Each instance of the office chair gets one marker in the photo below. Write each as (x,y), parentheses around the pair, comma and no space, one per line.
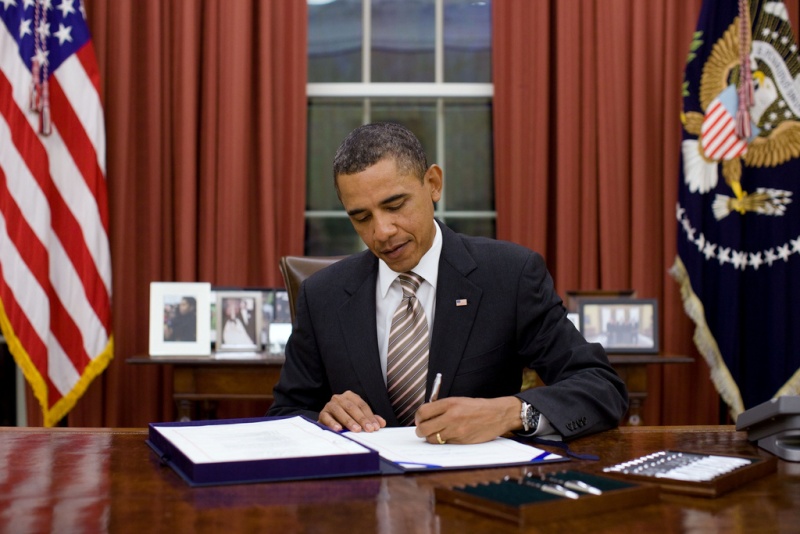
(295,269)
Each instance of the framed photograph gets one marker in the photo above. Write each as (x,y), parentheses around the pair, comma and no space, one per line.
(239,318)
(277,321)
(174,311)
(623,325)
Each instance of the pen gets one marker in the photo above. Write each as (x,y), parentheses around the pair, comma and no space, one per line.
(553,489)
(437,383)
(577,485)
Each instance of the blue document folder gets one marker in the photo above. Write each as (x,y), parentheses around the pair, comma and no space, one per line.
(236,451)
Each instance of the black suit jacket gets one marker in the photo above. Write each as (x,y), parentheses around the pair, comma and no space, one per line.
(513,318)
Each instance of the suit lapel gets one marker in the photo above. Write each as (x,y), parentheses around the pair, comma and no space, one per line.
(457,300)
(357,319)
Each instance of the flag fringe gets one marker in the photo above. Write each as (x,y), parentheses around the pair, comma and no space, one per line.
(705,342)
(90,372)
(38,384)
(791,387)
(20,355)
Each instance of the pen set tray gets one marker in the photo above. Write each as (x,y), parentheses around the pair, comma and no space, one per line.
(693,473)
(532,498)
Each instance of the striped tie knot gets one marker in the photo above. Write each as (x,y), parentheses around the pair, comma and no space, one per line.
(409,283)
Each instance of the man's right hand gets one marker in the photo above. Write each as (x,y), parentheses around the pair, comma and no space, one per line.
(349,411)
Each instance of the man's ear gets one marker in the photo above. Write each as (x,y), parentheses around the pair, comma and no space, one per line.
(433,177)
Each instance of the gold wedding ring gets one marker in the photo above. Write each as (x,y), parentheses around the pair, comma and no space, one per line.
(440,440)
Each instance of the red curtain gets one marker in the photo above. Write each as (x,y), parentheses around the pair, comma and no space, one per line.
(205,122)
(587,136)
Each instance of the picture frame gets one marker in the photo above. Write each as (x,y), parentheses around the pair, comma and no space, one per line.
(239,318)
(277,317)
(174,326)
(621,325)
(575,297)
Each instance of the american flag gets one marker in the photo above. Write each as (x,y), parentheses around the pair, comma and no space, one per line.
(55,260)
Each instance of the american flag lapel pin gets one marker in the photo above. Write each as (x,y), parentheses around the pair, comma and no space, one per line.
(461,302)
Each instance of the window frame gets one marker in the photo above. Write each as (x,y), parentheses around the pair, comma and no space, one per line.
(439,90)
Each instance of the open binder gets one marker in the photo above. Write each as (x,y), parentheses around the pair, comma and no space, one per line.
(268,449)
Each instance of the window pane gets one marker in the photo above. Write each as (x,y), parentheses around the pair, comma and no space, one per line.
(467,41)
(329,122)
(468,183)
(403,38)
(331,237)
(418,116)
(476,227)
(334,41)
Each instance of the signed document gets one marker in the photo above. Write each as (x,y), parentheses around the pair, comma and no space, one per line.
(294,437)
(402,447)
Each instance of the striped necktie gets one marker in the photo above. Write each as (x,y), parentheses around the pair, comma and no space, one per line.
(407,358)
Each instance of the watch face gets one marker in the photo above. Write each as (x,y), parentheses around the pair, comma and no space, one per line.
(531,418)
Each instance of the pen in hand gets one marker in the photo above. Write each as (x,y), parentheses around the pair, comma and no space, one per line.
(437,383)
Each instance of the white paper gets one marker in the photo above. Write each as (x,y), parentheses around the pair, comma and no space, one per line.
(402,446)
(293,437)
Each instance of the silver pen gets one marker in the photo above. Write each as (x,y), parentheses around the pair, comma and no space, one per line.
(437,383)
(577,485)
(553,489)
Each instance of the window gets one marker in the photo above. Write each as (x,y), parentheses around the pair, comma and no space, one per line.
(423,63)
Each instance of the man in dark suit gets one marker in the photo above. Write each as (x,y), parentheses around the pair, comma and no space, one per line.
(490,306)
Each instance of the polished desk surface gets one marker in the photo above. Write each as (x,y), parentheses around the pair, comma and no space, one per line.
(98,480)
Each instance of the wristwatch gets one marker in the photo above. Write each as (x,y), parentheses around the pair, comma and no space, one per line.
(530,418)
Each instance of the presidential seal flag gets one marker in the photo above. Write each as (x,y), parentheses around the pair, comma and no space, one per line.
(738,214)
(55,262)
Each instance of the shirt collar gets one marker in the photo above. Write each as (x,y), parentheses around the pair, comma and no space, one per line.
(427,268)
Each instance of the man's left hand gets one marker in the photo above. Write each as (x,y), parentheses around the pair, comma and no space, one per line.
(467,420)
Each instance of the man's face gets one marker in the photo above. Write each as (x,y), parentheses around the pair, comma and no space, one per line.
(392,211)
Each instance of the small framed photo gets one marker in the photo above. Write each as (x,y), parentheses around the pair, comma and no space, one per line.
(277,325)
(621,325)
(239,318)
(174,326)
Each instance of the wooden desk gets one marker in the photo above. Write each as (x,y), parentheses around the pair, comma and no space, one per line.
(99,480)
(221,376)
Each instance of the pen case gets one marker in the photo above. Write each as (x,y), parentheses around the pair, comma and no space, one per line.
(520,503)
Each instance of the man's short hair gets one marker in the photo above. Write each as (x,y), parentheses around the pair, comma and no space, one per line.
(368,144)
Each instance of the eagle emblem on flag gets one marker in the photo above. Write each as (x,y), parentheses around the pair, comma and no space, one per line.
(774,114)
